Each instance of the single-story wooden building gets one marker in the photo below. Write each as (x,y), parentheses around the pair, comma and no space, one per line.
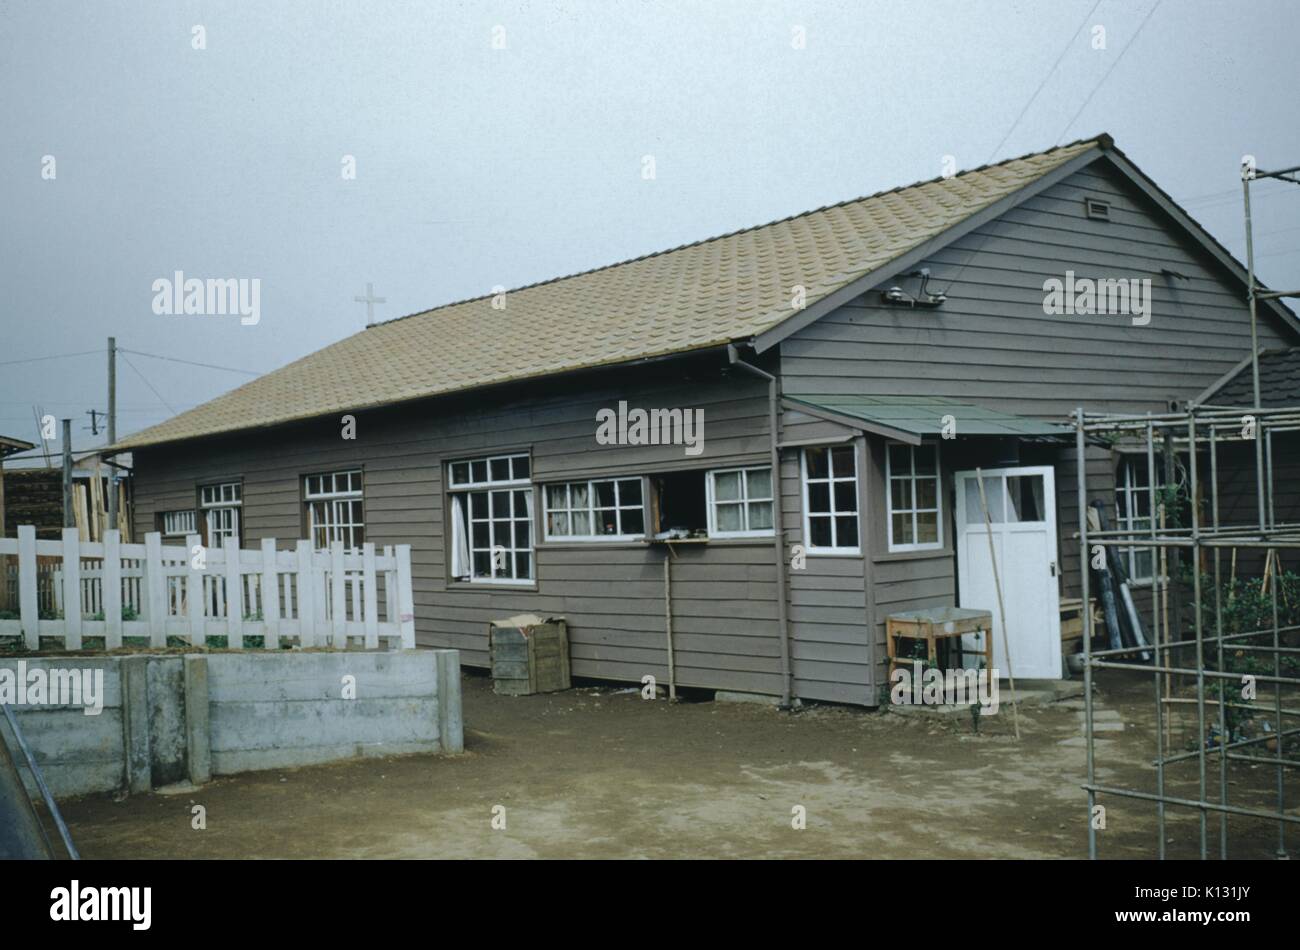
(878,349)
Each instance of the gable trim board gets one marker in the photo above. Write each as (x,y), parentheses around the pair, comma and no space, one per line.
(1226,378)
(859,286)
(1104,151)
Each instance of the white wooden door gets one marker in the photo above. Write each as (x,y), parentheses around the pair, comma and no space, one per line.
(1022,514)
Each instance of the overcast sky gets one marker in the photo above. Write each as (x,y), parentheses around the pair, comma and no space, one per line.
(478,166)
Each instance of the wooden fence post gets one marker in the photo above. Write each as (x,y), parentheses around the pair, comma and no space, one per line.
(234,594)
(155,582)
(110,587)
(338,595)
(28,604)
(270,596)
(390,586)
(306,596)
(71,589)
(405,597)
(194,591)
(370,596)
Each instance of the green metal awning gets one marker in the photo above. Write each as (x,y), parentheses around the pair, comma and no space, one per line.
(911,418)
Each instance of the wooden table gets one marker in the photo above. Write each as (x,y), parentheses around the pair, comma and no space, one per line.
(936,623)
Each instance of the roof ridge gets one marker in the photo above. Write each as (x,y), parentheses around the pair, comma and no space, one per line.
(1102,139)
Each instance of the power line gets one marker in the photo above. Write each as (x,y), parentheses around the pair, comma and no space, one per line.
(1061,56)
(147,383)
(173,359)
(39,359)
(1106,75)
(992,155)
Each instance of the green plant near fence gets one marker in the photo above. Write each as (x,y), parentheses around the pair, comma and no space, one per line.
(1243,605)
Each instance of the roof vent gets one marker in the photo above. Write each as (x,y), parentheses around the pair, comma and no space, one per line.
(1097,209)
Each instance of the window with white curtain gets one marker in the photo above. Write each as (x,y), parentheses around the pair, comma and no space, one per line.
(598,510)
(492,519)
(177,524)
(740,502)
(334,508)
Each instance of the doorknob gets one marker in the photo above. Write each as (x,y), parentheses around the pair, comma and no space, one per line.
(1053,568)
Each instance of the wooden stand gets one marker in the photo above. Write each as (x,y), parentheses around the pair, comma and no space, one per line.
(936,623)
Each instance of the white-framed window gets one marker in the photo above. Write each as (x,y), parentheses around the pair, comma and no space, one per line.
(597,510)
(492,519)
(914,521)
(740,502)
(334,508)
(177,524)
(220,504)
(830,500)
(1133,511)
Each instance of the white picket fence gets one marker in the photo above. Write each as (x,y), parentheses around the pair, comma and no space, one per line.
(318,598)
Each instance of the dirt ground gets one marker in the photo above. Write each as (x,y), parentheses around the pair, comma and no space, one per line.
(601,773)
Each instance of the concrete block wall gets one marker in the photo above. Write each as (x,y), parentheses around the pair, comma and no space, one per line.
(170,718)
(262,719)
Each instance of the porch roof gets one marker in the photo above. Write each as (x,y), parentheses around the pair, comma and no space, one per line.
(910,418)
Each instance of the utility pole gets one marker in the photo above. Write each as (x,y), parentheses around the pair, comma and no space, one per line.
(69,519)
(112,428)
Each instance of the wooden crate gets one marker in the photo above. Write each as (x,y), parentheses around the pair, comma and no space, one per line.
(1072,618)
(529,655)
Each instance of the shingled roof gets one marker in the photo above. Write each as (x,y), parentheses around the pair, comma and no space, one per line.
(721,290)
(1279,382)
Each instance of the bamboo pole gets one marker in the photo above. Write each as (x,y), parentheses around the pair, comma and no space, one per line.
(1002,613)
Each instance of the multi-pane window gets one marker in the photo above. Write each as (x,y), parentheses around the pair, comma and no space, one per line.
(1133,511)
(830,482)
(177,524)
(220,505)
(492,519)
(740,502)
(912,476)
(595,510)
(334,509)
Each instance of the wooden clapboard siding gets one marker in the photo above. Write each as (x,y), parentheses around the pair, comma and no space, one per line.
(724,594)
(991,344)
(829,652)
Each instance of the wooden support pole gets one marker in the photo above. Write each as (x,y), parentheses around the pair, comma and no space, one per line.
(1002,613)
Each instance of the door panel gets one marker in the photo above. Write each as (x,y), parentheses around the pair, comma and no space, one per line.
(1022,519)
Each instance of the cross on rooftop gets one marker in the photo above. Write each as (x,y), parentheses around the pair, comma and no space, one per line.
(370,300)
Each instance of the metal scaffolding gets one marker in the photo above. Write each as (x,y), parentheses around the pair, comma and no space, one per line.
(1200,657)
(1201,428)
